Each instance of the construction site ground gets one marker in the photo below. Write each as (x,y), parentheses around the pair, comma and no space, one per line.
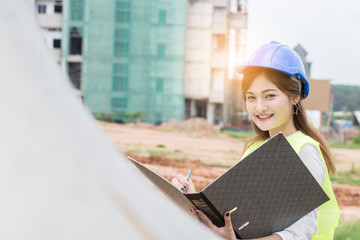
(174,148)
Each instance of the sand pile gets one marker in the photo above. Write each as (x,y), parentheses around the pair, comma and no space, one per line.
(142,125)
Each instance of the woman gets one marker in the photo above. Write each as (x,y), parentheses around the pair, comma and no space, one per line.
(273,86)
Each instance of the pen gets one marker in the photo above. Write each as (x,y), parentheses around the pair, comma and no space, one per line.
(244,225)
(189,175)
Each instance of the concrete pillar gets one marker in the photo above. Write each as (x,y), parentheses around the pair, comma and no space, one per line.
(210,111)
(192,108)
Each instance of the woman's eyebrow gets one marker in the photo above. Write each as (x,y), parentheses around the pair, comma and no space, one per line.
(264,91)
(268,90)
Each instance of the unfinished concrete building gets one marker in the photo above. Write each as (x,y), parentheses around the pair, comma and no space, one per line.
(169,60)
(49,17)
(208,43)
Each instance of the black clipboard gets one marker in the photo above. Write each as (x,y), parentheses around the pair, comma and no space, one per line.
(271,188)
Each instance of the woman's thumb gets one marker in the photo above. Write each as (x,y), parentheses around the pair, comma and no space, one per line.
(228,220)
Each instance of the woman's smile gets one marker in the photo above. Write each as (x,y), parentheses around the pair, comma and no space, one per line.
(264,117)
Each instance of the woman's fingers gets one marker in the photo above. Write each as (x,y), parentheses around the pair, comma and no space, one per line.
(194,213)
(188,184)
(177,184)
(228,228)
(183,181)
(183,184)
(203,218)
(226,232)
(227,218)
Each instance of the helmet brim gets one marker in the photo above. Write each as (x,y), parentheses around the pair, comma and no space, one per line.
(305,84)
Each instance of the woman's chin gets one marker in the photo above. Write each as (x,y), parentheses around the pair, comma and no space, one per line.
(262,128)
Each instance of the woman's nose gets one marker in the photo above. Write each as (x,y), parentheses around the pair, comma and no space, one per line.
(261,106)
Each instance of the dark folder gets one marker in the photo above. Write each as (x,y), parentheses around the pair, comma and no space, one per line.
(271,188)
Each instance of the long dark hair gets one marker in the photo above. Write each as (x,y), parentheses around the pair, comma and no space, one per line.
(291,89)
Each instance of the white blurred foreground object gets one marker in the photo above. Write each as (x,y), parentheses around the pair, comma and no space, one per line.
(60,178)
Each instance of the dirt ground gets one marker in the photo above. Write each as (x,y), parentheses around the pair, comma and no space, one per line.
(171,150)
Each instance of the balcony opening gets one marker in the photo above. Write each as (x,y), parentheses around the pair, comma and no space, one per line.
(41,8)
(57,43)
(75,42)
(218,118)
(58,8)
(74,70)
(201,108)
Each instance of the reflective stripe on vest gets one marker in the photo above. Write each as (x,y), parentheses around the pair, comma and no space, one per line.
(328,213)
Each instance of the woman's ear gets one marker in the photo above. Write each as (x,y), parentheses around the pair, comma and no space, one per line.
(295,100)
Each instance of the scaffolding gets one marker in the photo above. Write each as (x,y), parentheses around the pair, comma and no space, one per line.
(128,55)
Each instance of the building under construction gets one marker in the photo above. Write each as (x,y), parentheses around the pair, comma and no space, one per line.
(161,59)
(215,40)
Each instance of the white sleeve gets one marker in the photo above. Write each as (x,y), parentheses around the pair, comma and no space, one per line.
(305,227)
(311,157)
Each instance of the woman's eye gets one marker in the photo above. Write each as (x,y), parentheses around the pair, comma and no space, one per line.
(270,96)
(250,97)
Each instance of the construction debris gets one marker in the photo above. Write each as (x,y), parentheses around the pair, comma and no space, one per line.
(191,124)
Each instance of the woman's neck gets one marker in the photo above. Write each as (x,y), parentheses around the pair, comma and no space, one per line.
(286,132)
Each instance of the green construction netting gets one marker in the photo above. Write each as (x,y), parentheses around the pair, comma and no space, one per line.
(133,56)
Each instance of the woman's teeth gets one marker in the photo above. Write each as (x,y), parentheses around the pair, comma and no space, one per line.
(264,116)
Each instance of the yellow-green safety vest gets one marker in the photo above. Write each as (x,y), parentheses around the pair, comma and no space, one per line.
(329,212)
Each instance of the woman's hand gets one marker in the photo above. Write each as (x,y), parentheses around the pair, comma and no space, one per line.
(183,184)
(226,232)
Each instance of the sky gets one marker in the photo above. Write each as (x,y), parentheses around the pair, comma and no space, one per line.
(329,31)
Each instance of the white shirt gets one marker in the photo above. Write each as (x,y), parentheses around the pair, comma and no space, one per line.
(306,227)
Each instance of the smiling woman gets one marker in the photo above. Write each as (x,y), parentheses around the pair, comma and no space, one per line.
(273,85)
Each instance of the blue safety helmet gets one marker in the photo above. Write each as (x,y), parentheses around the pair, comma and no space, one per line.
(275,55)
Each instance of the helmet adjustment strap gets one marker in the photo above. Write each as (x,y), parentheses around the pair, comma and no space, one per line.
(297,79)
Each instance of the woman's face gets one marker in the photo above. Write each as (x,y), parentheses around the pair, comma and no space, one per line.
(270,108)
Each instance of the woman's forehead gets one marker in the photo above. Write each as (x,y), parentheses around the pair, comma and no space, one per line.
(261,83)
